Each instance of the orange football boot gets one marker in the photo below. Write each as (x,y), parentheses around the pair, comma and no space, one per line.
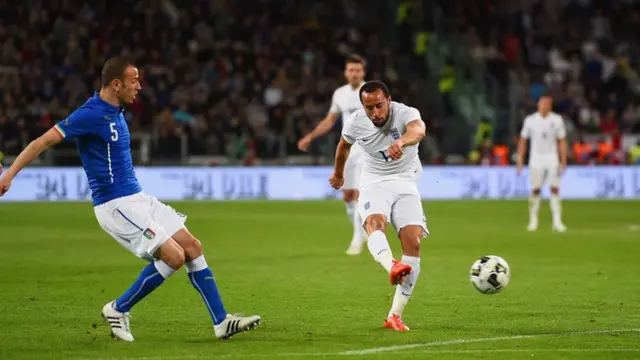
(394,322)
(398,272)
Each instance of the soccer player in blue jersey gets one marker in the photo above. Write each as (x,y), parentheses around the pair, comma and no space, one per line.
(138,221)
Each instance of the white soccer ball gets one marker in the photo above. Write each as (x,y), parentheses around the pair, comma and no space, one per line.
(490,274)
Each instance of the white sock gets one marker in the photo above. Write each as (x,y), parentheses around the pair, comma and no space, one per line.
(380,249)
(404,290)
(556,208)
(165,270)
(197,264)
(534,206)
(354,217)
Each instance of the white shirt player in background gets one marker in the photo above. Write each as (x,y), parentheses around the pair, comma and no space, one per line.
(344,102)
(388,133)
(545,129)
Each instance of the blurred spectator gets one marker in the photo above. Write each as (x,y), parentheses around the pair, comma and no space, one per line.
(238,78)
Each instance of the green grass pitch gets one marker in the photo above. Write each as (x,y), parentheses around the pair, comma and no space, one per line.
(572,296)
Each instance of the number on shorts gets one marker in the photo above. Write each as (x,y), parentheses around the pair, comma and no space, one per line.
(384,156)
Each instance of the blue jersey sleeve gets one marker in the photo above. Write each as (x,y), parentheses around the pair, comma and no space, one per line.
(78,123)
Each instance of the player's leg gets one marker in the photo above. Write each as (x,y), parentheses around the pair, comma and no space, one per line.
(554,202)
(536,178)
(131,226)
(169,257)
(374,206)
(407,216)
(201,277)
(350,195)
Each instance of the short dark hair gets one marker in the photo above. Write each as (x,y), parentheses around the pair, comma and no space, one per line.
(371,86)
(355,59)
(113,69)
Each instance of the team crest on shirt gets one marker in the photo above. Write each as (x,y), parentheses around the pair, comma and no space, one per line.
(149,234)
(395,134)
(367,205)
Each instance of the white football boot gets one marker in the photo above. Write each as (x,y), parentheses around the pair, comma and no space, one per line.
(558,227)
(119,322)
(234,324)
(356,247)
(533,224)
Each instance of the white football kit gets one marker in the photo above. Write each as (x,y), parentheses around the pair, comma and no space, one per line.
(139,222)
(346,100)
(543,134)
(387,186)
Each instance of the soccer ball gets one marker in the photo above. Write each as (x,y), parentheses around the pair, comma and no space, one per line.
(490,274)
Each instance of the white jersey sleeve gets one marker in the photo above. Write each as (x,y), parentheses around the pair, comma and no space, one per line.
(410,114)
(335,102)
(347,130)
(526,128)
(561,131)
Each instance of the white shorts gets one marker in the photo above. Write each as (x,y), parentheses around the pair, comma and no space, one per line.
(539,176)
(139,222)
(352,171)
(399,201)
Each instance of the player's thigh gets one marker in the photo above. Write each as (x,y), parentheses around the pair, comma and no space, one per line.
(352,172)
(536,177)
(131,224)
(407,211)
(161,213)
(554,177)
(375,199)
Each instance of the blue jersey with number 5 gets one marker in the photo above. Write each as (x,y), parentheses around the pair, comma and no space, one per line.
(102,138)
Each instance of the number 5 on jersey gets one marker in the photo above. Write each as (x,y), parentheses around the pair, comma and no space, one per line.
(114,131)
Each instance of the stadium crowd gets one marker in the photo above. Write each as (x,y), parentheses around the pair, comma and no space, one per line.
(585,54)
(247,78)
(244,78)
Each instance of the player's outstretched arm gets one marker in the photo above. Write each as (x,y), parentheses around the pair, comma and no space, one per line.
(342,153)
(322,128)
(416,131)
(522,151)
(32,151)
(562,148)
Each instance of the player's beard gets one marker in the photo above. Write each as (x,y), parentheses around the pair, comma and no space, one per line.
(380,124)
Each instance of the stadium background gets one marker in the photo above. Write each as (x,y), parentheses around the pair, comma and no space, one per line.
(240,87)
(229,87)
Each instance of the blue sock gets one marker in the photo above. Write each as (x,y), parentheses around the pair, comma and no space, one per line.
(203,281)
(150,278)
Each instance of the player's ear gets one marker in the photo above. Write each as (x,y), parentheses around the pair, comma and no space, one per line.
(116,84)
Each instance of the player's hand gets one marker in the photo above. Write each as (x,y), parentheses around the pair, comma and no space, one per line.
(5,184)
(519,169)
(336,181)
(395,150)
(563,168)
(304,143)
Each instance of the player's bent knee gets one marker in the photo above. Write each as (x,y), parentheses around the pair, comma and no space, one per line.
(191,246)
(411,237)
(535,192)
(555,190)
(375,222)
(171,253)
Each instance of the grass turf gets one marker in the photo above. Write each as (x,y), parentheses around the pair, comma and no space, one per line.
(285,261)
